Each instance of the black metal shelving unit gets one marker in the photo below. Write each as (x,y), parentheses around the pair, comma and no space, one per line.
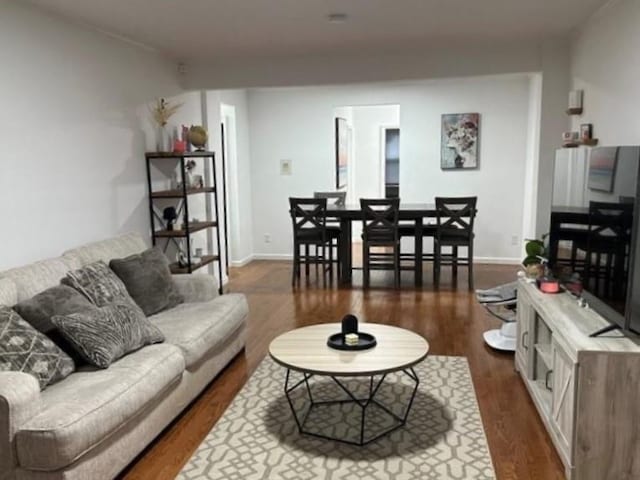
(182,195)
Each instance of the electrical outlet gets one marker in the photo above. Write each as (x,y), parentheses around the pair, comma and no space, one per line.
(267,238)
(515,240)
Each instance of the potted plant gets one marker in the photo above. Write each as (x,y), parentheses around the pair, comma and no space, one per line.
(533,263)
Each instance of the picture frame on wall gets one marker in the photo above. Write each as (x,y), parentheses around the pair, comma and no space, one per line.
(586,131)
(342,152)
(459,141)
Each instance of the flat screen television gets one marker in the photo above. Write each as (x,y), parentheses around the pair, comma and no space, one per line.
(595,215)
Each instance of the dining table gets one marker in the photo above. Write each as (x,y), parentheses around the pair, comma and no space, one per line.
(408,212)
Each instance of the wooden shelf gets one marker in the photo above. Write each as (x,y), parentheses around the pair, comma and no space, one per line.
(592,142)
(193,227)
(178,193)
(205,260)
(197,154)
(574,111)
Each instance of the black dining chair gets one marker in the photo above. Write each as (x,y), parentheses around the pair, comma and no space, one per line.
(333,227)
(308,217)
(409,230)
(607,248)
(337,198)
(380,230)
(454,229)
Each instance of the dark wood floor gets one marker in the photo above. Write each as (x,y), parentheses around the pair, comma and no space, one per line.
(450,319)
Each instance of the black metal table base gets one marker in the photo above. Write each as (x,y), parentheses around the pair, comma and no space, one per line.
(364,403)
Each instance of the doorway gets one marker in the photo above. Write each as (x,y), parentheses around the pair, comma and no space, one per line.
(229,171)
(391,161)
(372,149)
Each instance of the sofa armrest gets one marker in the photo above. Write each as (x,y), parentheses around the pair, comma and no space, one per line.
(19,401)
(196,288)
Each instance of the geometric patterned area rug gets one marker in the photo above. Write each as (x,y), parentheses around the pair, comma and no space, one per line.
(257,437)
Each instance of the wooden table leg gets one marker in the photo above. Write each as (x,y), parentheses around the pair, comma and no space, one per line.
(346,250)
(418,252)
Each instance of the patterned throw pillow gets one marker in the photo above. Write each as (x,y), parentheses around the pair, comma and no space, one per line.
(98,283)
(59,300)
(105,334)
(148,280)
(24,349)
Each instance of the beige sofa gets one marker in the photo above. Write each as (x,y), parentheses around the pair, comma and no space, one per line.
(95,422)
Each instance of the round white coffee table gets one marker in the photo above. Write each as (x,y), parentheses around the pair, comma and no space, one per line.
(305,350)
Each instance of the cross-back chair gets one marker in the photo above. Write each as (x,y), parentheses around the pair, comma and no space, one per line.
(380,230)
(309,217)
(454,229)
(607,247)
(333,226)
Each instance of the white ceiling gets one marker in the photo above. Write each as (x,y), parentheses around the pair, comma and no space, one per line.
(201,30)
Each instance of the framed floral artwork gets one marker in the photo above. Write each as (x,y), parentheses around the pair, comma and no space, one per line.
(459,143)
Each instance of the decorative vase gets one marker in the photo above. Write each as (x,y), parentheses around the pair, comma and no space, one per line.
(163,139)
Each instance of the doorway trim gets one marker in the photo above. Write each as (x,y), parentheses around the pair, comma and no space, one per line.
(383,155)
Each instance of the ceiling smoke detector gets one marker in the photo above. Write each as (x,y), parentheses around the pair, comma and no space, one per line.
(337,17)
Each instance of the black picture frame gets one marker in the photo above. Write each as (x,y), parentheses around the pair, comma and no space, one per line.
(460,141)
(586,131)
(341,152)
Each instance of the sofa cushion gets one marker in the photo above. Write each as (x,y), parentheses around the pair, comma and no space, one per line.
(198,328)
(8,292)
(106,250)
(58,300)
(80,412)
(104,334)
(36,277)
(148,280)
(24,349)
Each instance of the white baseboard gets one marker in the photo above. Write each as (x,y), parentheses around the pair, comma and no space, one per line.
(243,262)
(272,256)
(497,260)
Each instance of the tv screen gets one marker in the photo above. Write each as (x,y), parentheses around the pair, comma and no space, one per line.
(594,218)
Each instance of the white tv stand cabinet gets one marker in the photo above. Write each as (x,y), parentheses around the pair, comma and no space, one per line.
(586,390)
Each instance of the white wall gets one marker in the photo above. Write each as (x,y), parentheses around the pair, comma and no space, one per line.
(297,123)
(72,166)
(553,121)
(605,62)
(530,213)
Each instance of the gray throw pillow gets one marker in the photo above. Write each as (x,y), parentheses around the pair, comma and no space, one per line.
(98,283)
(148,280)
(105,334)
(24,349)
(58,300)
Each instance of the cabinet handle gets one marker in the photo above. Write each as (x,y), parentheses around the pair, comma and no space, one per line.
(525,336)
(546,380)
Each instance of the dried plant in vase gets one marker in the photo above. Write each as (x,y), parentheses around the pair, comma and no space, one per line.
(161,112)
